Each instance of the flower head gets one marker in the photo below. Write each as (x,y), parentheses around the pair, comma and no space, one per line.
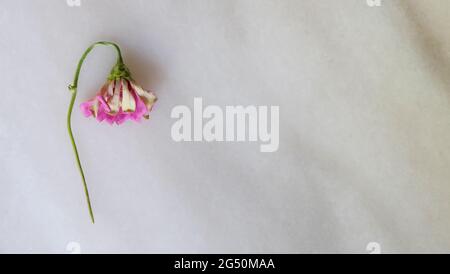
(120,99)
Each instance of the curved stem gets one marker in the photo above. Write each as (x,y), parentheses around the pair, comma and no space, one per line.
(73,89)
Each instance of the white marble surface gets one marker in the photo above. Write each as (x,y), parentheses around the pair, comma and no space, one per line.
(364,156)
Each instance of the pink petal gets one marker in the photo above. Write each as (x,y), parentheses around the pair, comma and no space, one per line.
(141,109)
(86,108)
(102,112)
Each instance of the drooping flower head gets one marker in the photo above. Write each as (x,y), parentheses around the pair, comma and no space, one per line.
(120,99)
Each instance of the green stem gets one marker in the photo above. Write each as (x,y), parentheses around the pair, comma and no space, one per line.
(73,89)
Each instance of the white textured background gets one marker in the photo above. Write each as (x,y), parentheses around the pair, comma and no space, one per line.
(364,96)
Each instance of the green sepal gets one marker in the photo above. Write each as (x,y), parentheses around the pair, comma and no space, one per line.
(119,71)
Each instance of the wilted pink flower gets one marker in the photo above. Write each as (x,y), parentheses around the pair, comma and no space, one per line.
(118,101)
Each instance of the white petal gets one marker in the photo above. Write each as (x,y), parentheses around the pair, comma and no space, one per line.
(110,90)
(128,102)
(94,107)
(148,97)
(114,102)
